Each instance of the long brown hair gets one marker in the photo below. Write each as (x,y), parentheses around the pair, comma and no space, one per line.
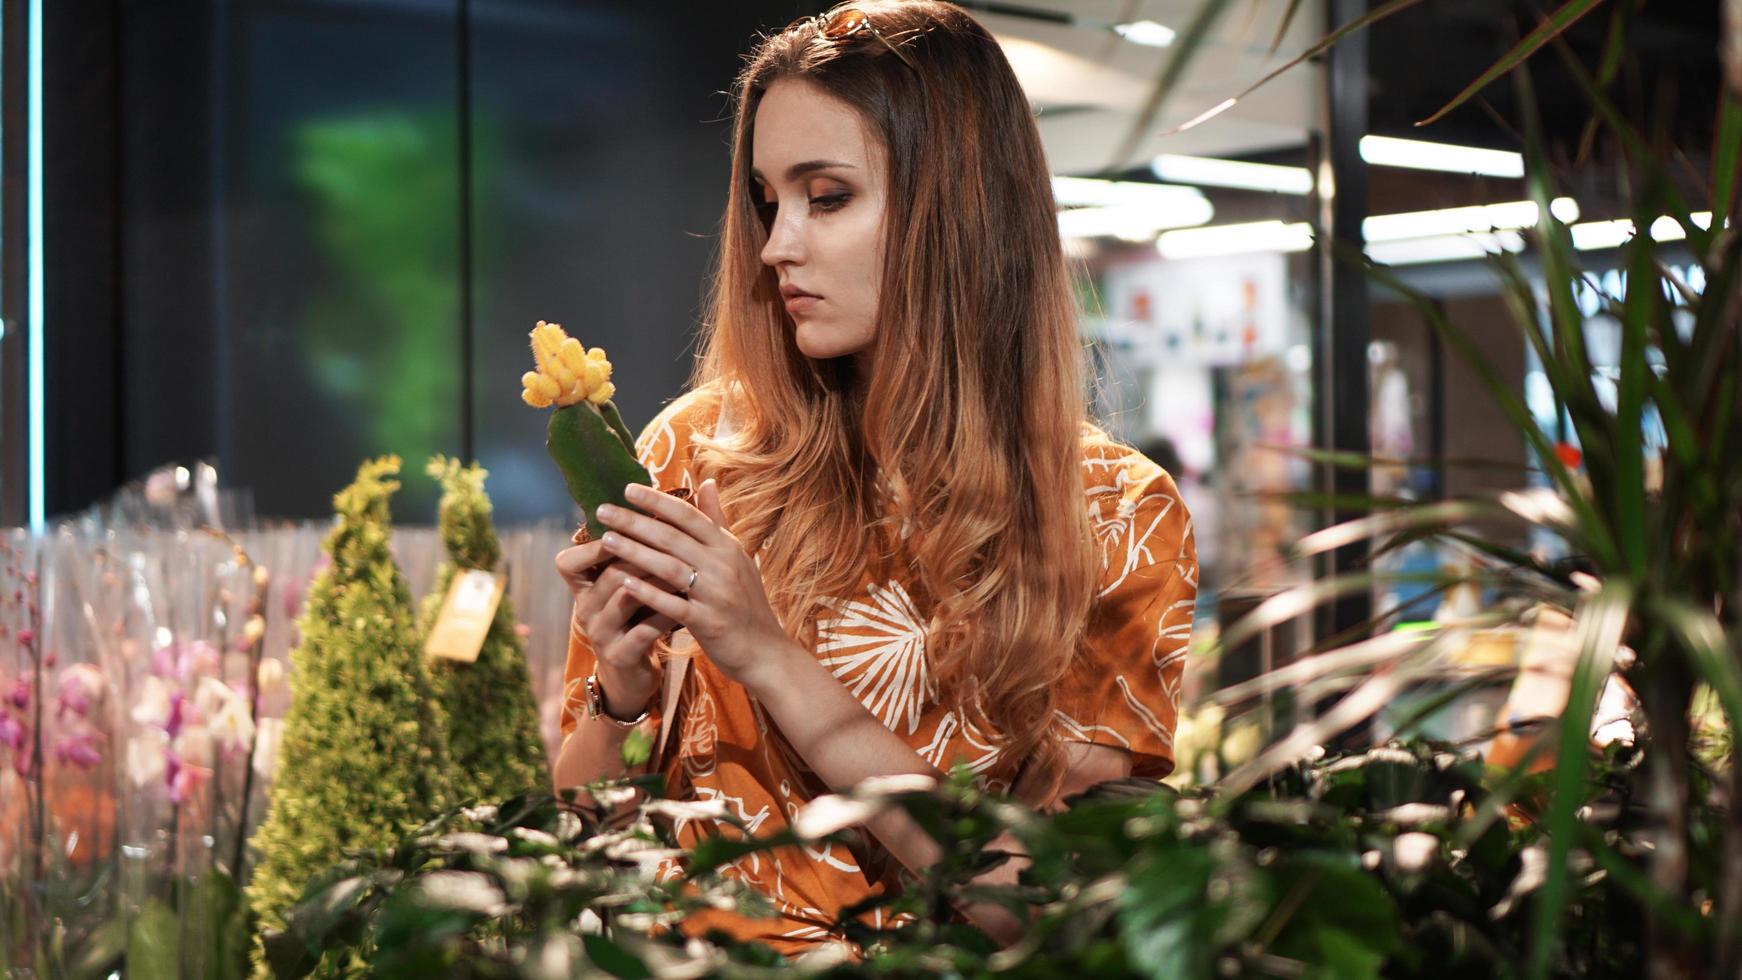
(968,428)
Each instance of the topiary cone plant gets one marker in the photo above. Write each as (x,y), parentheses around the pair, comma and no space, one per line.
(364,756)
(492,717)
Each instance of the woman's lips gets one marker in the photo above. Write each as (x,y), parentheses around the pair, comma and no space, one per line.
(800,302)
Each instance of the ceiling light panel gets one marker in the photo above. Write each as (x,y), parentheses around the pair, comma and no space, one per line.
(1389,151)
(1212,172)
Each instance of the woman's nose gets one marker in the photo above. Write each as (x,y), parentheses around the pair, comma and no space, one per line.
(783,242)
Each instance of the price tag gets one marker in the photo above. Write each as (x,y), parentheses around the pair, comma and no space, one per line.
(466,615)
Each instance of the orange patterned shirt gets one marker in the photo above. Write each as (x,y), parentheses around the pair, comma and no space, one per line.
(1123,692)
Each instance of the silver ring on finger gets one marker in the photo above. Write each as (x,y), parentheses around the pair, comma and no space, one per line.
(694,573)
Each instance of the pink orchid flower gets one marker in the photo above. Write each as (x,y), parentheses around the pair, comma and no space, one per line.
(79,751)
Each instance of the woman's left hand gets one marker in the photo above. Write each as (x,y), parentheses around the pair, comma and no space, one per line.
(726,609)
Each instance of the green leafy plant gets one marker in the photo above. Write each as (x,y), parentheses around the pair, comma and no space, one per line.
(537,885)
(1650,517)
(363,755)
(1397,862)
(490,713)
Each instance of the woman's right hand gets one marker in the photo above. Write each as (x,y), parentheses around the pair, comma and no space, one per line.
(602,612)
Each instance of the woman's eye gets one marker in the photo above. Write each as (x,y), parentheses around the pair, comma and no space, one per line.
(766,210)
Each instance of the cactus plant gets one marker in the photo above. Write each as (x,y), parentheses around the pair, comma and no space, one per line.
(586,436)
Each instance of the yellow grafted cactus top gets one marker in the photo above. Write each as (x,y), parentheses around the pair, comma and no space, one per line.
(567,372)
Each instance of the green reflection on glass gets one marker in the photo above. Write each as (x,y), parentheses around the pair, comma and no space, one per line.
(381,334)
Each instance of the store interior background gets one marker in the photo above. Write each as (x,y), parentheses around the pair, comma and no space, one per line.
(284,235)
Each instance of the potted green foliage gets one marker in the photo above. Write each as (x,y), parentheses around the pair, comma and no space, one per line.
(491,715)
(363,756)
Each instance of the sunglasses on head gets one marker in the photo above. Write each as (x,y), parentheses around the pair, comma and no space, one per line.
(850,22)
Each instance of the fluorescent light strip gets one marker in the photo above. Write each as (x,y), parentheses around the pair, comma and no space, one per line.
(1445,248)
(1601,234)
(1211,172)
(1132,210)
(1259,236)
(1395,239)
(1667,229)
(1090,192)
(1148,33)
(1133,224)
(34,295)
(1611,234)
(1388,151)
(1509,216)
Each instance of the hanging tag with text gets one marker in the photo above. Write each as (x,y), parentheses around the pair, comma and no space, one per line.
(466,615)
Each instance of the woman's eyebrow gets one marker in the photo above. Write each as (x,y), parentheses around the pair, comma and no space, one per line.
(798,170)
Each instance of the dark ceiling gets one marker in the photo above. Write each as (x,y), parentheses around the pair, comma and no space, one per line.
(1420,59)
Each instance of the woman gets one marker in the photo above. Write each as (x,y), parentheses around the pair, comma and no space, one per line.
(908,548)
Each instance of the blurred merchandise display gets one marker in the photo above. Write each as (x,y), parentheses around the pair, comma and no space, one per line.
(144,678)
